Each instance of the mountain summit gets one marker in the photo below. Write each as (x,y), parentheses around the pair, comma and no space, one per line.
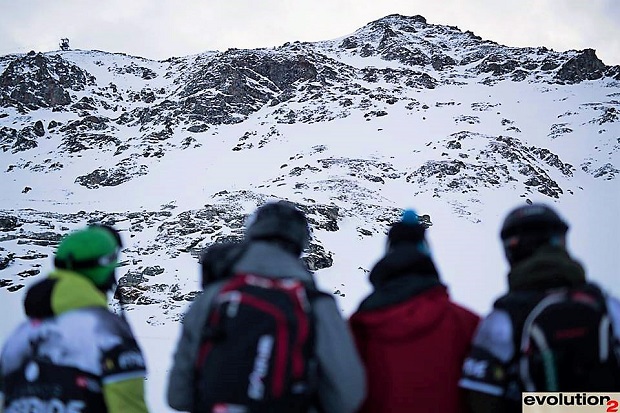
(176,153)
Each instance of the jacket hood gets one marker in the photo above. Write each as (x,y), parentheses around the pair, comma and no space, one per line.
(549,267)
(62,291)
(404,259)
(271,260)
(397,290)
(408,319)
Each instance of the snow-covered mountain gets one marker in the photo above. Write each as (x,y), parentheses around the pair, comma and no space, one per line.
(401,113)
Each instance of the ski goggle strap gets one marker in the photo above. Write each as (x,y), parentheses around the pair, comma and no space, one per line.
(111,230)
(71,264)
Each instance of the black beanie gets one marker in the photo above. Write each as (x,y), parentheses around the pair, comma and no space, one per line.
(279,221)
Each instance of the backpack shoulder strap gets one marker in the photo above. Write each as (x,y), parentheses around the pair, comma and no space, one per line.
(531,330)
(607,331)
(590,298)
(518,306)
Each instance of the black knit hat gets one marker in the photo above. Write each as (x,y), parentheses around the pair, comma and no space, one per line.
(409,229)
(529,227)
(279,221)
(532,218)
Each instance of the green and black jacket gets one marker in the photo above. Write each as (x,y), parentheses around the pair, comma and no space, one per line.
(72,354)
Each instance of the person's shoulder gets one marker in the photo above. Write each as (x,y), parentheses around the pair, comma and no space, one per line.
(495,330)
(202,302)
(613,306)
(98,313)
(101,319)
(464,312)
(613,300)
(323,304)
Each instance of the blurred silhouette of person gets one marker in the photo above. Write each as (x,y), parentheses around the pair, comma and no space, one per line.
(547,332)
(276,234)
(411,336)
(72,354)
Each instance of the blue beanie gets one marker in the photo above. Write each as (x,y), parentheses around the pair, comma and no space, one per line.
(408,230)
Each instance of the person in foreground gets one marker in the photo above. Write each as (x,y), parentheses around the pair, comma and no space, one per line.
(216,344)
(553,330)
(73,354)
(217,260)
(411,336)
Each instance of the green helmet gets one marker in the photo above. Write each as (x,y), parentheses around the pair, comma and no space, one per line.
(91,252)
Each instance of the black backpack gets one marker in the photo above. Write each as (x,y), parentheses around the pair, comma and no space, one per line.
(257,352)
(564,340)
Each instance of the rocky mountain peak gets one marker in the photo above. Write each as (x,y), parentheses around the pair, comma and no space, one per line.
(39,80)
(397,21)
(584,66)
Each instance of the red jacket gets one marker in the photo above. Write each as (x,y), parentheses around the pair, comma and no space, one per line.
(413,352)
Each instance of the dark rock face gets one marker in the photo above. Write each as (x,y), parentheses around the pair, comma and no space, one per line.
(585,66)
(88,133)
(39,81)
(498,65)
(244,81)
(317,258)
(7,138)
(22,140)
(606,171)
(124,171)
(9,223)
(5,261)
(440,61)
(87,123)
(186,232)
(503,161)
(38,129)
(136,70)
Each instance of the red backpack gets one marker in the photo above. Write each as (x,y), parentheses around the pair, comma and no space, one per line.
(257,348)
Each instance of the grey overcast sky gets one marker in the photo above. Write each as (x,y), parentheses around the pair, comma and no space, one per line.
(159,29)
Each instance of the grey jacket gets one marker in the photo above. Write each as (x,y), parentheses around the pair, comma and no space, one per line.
(342,384)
